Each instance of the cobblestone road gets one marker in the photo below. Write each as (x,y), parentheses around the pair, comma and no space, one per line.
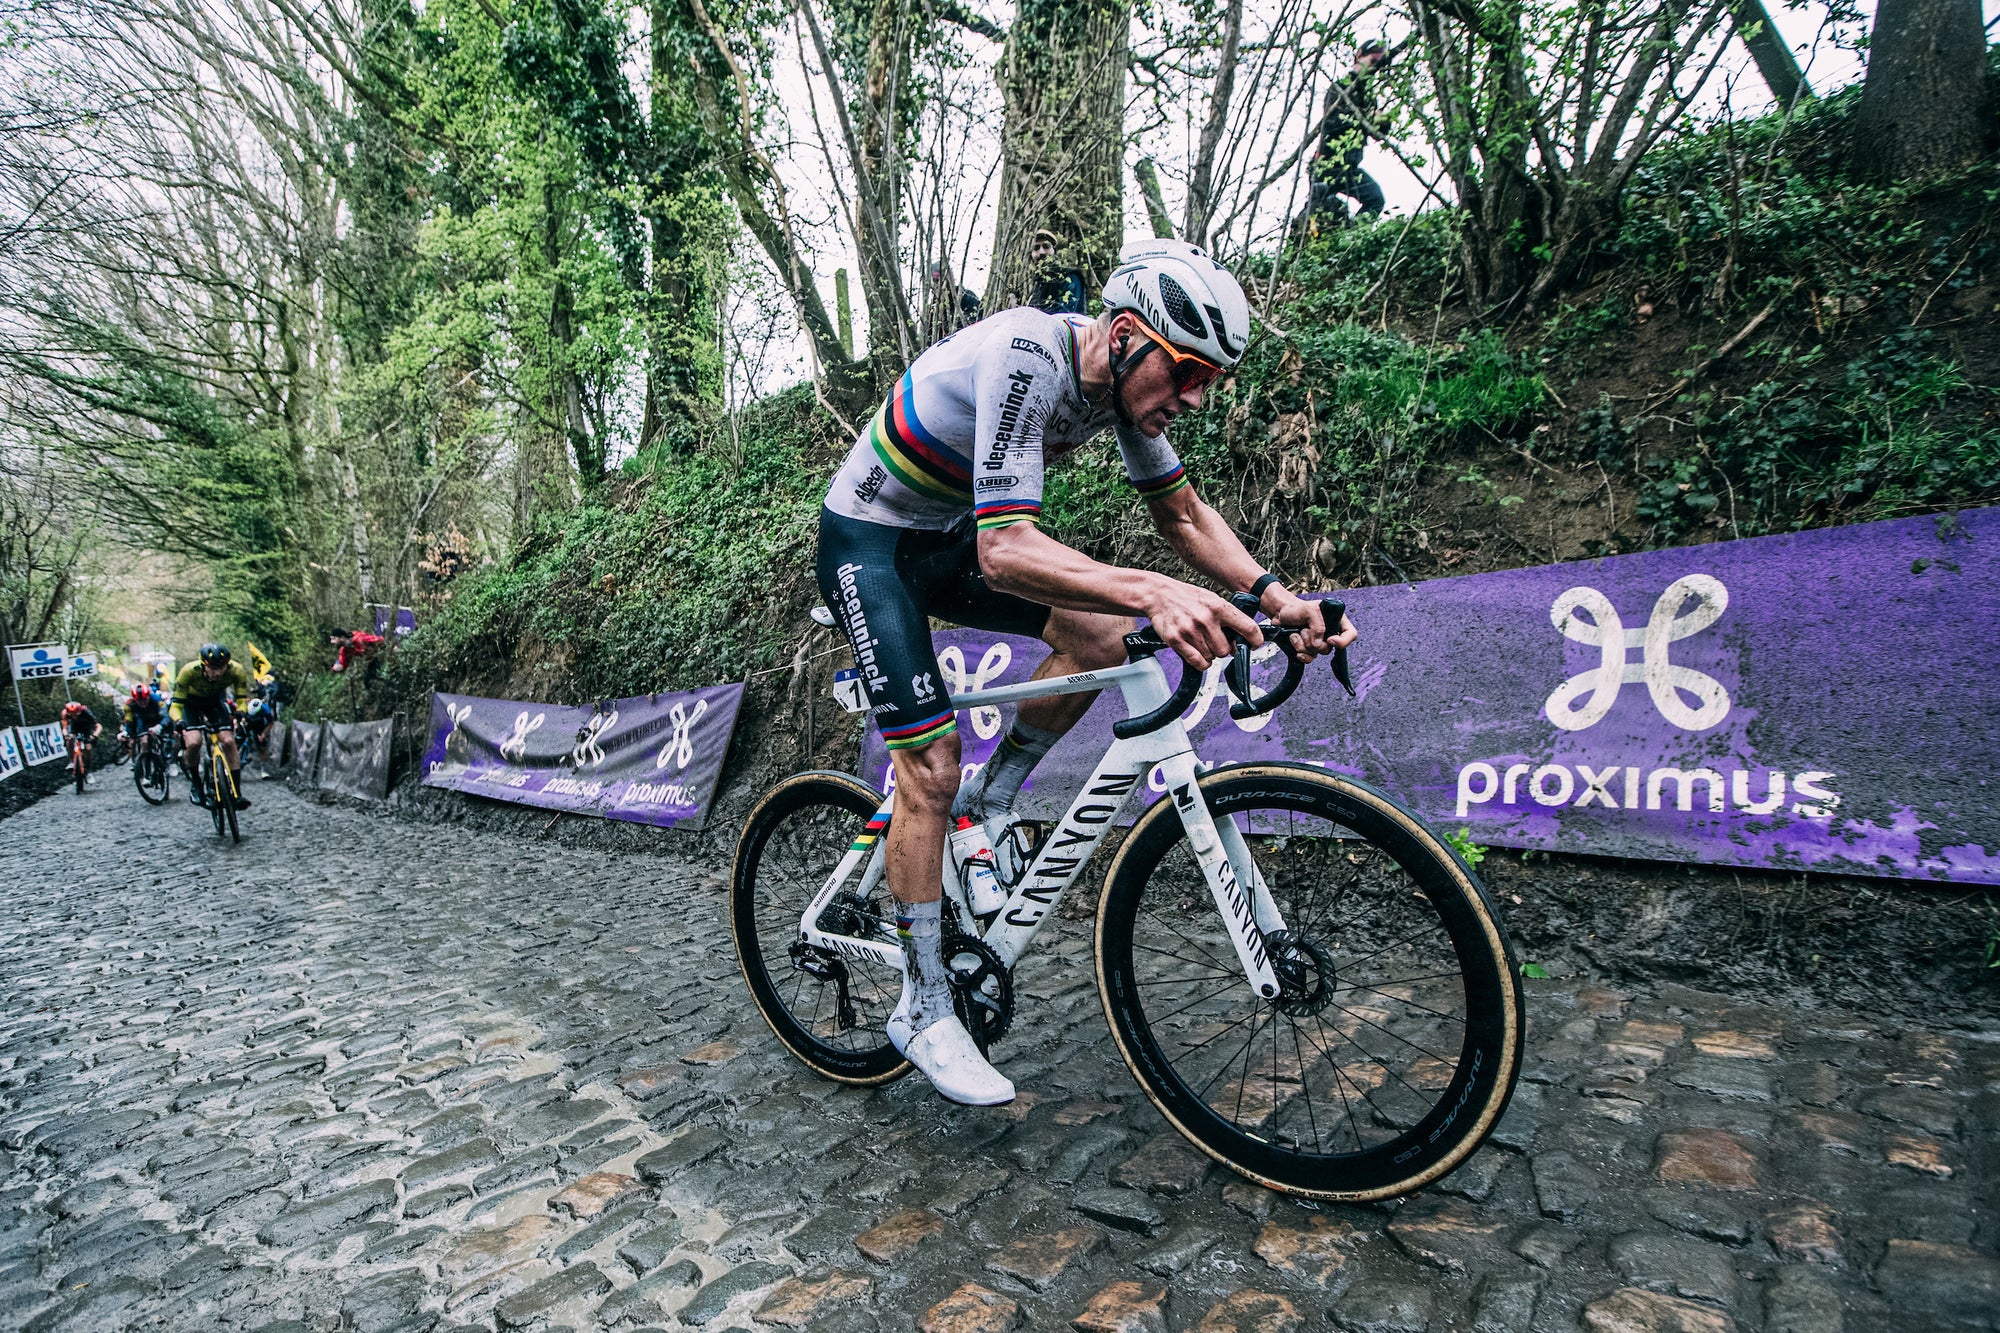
(363,1074)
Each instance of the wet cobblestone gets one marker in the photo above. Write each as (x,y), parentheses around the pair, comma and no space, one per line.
(360,1074)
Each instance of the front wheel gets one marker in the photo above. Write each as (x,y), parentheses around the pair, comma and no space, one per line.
(76,764)
(1394,1042)
(829,1009)
(149,773)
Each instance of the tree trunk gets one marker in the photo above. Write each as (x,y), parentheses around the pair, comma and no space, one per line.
(1201,184)
(1062,145)
(1775,61)
(1924,105)
(1156,207)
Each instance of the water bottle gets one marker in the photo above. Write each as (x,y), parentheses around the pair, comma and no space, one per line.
(972,853)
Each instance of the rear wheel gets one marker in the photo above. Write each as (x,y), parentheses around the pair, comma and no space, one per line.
(1392,1047)
(829,1009)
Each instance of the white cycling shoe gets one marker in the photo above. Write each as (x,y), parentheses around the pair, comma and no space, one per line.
(945,1053)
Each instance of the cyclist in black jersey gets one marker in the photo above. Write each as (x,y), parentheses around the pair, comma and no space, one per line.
(934,513)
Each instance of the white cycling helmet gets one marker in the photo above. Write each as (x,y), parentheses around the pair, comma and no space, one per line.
(1184,296)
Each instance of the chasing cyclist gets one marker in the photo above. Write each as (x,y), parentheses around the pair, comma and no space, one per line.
(143,711)
(934,513)
(200,701)
(79,729)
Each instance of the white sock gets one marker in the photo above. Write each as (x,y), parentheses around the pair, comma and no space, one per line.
(925,982)
(999,782)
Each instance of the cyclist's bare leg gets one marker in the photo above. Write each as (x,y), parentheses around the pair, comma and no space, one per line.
(926,780)
(924,1026)
(191,754)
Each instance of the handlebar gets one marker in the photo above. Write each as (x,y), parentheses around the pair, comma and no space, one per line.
(1145,642)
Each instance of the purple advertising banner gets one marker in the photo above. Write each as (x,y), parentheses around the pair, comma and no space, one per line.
(402,618)
(1822,700)
(651,759)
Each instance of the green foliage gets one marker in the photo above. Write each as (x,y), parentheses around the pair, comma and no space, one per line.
(1818,443)
(1460,841)
(693,579)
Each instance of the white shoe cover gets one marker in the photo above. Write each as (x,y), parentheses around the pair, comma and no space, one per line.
(945,1053)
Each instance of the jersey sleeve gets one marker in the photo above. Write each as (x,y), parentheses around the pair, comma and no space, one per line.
(1150,464)
(1014,383)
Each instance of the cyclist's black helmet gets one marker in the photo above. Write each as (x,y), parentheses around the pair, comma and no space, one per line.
(214,654)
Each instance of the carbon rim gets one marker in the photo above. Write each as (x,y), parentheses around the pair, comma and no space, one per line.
(1394,1046)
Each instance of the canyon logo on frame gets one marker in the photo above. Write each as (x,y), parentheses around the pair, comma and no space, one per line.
(1820,700)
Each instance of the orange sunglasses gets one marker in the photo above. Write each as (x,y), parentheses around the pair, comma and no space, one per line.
(1189,371)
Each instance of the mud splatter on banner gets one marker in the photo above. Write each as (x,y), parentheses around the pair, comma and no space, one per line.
(651,759)
(1821,700)
(354,758)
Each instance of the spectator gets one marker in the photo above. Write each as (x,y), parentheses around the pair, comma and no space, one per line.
(1346,123)
(1059,291)
(353,645)
(952,306)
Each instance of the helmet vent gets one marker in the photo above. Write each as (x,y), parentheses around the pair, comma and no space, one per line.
(1180,308)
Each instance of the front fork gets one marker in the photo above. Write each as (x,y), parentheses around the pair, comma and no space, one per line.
(1241,895)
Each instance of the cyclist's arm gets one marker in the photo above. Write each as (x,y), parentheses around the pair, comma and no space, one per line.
(1028,563)
(1199,536)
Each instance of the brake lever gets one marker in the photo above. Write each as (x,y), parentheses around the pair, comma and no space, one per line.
(1330,616)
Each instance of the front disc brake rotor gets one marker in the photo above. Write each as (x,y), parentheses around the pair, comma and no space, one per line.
(1305,972)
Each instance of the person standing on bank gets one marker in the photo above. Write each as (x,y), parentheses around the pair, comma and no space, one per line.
(1347,122)
(1057,291)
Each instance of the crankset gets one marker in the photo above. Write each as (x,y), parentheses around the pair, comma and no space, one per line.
(1305,972)
(982,989)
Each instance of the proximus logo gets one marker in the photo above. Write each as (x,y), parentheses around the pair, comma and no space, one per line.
(1663,680)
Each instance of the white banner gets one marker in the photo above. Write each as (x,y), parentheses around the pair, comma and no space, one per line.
(42,743)
(39,661)
(10,754)
(82,664)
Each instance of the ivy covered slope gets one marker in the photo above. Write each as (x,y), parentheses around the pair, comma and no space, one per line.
(1764,344)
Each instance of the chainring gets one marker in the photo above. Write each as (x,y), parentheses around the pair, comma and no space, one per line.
(982,989)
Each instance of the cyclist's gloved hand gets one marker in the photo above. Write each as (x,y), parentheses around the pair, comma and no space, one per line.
(1196,623)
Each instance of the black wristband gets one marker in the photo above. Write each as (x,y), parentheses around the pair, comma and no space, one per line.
(1263,581)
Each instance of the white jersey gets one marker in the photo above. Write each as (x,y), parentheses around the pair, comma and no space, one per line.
(973,422)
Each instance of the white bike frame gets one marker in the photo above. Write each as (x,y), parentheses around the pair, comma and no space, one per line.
(1250,913)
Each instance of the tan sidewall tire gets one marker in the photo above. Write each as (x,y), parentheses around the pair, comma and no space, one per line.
(1476,897)
(738,869)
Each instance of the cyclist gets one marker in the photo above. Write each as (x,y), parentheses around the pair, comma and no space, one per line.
(258,717)
(80,727)
(934,512)
(142,714)
(199,701)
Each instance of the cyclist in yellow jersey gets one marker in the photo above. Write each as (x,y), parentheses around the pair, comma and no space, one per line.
(200,700)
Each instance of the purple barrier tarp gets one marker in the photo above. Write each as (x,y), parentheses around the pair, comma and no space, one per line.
(651,759)
(1821,700)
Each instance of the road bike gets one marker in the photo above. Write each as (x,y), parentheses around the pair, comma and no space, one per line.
(1311,986)
(216,783)
(79,761)
(150,768)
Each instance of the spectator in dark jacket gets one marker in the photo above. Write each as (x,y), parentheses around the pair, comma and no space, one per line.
(1347,121)
(1059,291)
